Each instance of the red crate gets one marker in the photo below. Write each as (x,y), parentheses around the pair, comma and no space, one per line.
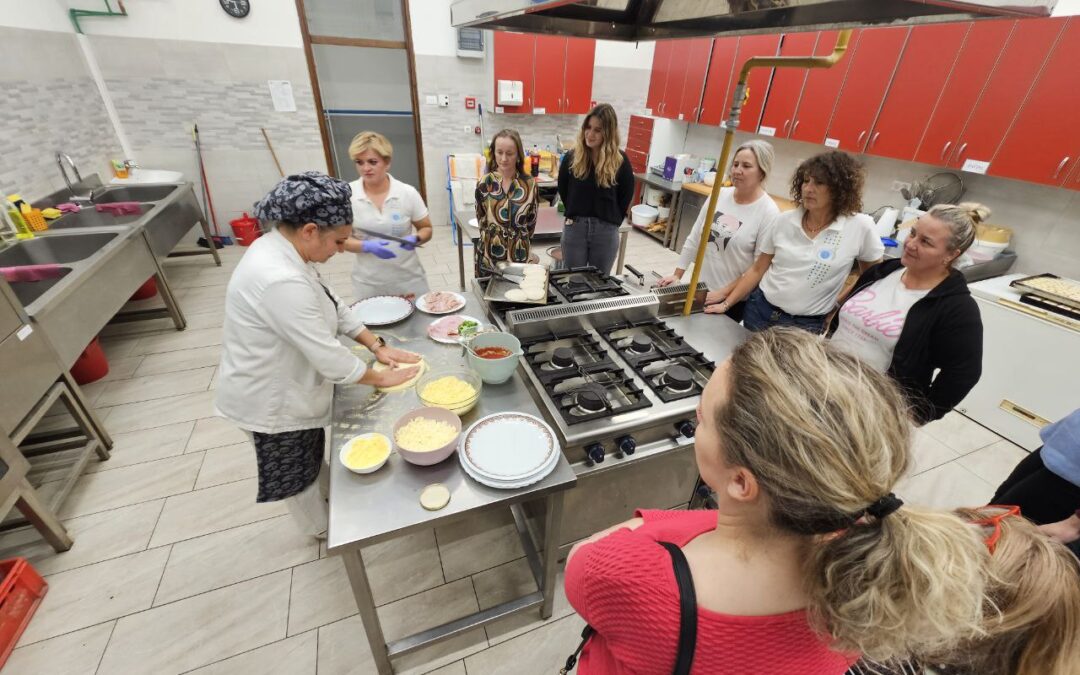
(20,594)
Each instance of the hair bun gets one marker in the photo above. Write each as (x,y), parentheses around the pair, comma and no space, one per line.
(979,213)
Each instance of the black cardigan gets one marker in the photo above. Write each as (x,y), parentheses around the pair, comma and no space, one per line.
(583,197)
(942,330)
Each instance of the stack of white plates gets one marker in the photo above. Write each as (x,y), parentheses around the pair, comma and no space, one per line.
(509,450)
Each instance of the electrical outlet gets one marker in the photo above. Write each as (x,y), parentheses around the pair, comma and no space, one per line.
(468,128)
(431,99)
(444,100)
(898,185)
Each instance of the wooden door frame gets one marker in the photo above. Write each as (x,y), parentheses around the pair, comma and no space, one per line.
(406,44)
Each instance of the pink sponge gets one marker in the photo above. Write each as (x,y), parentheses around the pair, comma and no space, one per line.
(31,272)
(120,208)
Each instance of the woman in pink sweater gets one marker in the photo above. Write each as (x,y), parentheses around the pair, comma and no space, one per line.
(810,560)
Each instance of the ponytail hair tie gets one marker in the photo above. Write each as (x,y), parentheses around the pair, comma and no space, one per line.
(884,506)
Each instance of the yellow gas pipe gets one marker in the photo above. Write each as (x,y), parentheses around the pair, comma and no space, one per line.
(733,123)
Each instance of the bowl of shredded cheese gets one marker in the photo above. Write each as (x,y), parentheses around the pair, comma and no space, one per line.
(456,389)
(365,453)
(427,436)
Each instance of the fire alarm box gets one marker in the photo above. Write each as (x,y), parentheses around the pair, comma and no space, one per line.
(470,102)
(511,92)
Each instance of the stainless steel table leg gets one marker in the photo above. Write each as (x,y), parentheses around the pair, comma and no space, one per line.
(623,234)
(552,534)
(461,255)
(210,240)
(170,302)
(365,602)
(42,518)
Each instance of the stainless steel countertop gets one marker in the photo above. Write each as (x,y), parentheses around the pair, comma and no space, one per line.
(365,509)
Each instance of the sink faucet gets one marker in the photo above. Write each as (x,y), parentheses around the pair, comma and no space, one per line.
(60,158)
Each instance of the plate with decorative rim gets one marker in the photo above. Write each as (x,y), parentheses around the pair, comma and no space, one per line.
(509,446)
(383,310)
(508,485)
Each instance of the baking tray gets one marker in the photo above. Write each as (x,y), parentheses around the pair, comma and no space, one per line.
(497,287)
(1021,284)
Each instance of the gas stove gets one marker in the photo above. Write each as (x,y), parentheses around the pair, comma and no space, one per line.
(618,382)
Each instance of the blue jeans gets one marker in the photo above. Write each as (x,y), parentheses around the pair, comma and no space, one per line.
(590,241)
(761,314)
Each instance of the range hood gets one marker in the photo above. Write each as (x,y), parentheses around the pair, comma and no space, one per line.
(643,20)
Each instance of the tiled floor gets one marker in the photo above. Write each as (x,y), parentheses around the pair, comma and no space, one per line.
(176,569)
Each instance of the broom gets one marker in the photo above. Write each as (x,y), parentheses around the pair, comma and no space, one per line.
(218,239)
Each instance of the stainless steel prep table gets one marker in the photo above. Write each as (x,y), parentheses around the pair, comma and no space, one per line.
(367,509)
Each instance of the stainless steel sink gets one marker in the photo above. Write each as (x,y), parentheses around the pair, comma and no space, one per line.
(29,291)
(90,218)
(52,250)
(134,193)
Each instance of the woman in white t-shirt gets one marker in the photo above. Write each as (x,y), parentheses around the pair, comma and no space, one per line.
(384,205)
(914,317)
(741,211)
(806,254)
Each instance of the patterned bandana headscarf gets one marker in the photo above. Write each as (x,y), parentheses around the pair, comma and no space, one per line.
(309,197)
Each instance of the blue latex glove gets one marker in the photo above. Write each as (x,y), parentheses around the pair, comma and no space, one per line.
(413,242)
(377,247)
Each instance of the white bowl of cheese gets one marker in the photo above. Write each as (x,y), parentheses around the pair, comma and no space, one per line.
(365,453)
(427,436)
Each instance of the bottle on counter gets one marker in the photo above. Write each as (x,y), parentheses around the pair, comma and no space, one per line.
(534,161)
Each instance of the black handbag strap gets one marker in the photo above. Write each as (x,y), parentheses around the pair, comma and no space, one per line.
(684,657)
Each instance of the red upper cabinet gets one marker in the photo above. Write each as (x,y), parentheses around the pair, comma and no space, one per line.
(822,90)
(872,67)
(1042,144)
(658,79)
(550,74)
(1016,70)
(924,69)
(674,79)
(786,87)
(979,54)
(758,83)
(514,54)
(580,59)
(556,72)
(697,66)
(716,100)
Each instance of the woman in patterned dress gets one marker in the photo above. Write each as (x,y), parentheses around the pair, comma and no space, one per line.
(506,205)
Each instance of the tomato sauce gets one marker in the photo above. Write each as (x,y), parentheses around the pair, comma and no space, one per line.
(493,352)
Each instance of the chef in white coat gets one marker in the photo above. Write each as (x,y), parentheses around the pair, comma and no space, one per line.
(742,210)
(281,356)
(384,205)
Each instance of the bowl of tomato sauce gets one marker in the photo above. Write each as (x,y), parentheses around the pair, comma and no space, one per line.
(494,356)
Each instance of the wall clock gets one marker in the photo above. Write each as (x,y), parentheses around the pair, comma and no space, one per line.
(236,8)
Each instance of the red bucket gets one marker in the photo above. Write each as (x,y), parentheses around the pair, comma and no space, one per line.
(246,230)
(146,291)
(91,365)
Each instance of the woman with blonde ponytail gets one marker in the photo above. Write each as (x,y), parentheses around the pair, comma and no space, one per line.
(810,560)
(596,184)
(912,316)
(1032,619)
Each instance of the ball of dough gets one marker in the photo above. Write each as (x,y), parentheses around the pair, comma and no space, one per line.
(516,295)
(434,497)
(534,272)
(535,294)
(379,367)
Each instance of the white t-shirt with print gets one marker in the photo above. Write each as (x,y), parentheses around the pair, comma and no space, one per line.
(396,276)
(806,275)
(735,231)
(872,319)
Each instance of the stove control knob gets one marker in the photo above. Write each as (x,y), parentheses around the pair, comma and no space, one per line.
(626,445)
(686,428)
(595,453)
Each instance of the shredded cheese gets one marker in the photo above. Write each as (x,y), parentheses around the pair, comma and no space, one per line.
(421,434)
(447,392)
(365,452)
